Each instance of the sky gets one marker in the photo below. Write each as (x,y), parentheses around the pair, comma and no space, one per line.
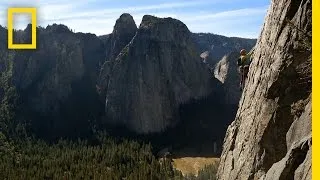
(233,18)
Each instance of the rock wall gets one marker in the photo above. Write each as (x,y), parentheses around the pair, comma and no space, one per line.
(270,137)
(155,73)
(226,71)
(123,32)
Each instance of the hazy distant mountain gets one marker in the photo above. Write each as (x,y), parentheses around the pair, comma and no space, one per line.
(217,46)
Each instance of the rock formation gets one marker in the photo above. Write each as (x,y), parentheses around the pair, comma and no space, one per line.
(123,31)
(145,77)
(57,80)
(226,71)
(155,73)
(218,46)
(270,137)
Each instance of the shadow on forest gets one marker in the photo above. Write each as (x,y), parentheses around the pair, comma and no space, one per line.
(199,133)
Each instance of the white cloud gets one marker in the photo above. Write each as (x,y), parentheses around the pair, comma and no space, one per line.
(20,21)
(77,16)
(239,13)
(115,11)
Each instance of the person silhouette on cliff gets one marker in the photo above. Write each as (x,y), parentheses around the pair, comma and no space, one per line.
(243,63)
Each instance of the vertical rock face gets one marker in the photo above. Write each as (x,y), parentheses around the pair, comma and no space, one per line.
(123,31)
(155,73)
(271,135)
(226,71)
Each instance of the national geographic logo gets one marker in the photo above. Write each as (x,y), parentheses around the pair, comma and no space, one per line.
(33,12)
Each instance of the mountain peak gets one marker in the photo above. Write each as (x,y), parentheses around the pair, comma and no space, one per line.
(164,29)
(150,21)
(125,23)
(126,15)
(58,28)
(124,30)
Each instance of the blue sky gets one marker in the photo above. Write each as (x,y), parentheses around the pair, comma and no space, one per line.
(241,18)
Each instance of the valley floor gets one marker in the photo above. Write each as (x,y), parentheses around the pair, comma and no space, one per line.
(192,165)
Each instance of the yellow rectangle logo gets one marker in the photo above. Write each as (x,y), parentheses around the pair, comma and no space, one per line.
(33,12)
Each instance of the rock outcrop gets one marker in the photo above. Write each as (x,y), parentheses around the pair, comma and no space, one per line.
(155,73)
(123,32)
(226,71)
(270,137)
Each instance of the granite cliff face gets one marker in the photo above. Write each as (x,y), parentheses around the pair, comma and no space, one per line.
(155,73)
(226,71)
(123,31)
(270,137)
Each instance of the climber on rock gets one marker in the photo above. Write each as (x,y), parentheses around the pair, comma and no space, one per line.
(243,63)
